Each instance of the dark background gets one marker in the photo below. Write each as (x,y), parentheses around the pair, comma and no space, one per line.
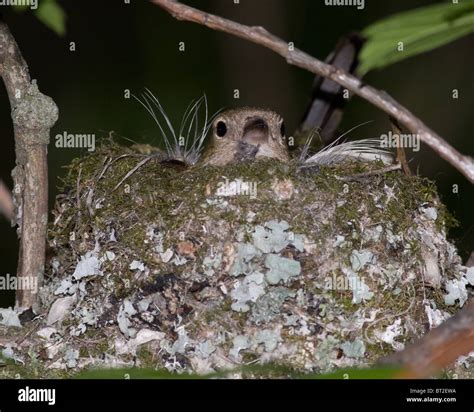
(120,46)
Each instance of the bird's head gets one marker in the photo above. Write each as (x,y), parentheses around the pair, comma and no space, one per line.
(245,134)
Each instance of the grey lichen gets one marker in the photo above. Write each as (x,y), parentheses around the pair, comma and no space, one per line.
(247,290)
(281,269)
(269,306)
(36,112)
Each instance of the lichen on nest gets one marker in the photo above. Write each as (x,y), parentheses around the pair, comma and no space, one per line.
(205,269)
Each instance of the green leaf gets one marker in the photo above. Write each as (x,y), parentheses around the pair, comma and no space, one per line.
(419,30)
(52,15)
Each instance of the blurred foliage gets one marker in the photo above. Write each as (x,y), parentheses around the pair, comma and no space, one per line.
(254,371)
(50,13)
(419,30)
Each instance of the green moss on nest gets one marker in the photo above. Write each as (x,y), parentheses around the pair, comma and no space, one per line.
(157,191)
(181,204)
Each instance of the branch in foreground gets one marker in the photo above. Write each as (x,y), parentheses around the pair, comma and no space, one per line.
(303,60)
(33,115)
(439,348)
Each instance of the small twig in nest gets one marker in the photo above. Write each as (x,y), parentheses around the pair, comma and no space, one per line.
(132,171)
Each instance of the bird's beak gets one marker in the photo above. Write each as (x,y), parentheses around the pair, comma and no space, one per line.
(255,131)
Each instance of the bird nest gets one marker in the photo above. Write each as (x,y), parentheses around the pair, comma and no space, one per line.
(203,269)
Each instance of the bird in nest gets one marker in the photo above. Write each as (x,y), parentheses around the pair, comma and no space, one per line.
(246,134)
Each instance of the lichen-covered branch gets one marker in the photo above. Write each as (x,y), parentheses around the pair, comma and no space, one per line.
(298,58)
(33,115)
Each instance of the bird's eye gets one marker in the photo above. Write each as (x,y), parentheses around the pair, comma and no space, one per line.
(283,129)
(221,129)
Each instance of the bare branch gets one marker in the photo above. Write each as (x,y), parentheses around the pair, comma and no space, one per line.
(33,115)
(300,59)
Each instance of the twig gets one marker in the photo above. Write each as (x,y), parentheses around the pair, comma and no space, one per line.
(298,58)
(33,115)
(401,156)
(131,172)
(78,197)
